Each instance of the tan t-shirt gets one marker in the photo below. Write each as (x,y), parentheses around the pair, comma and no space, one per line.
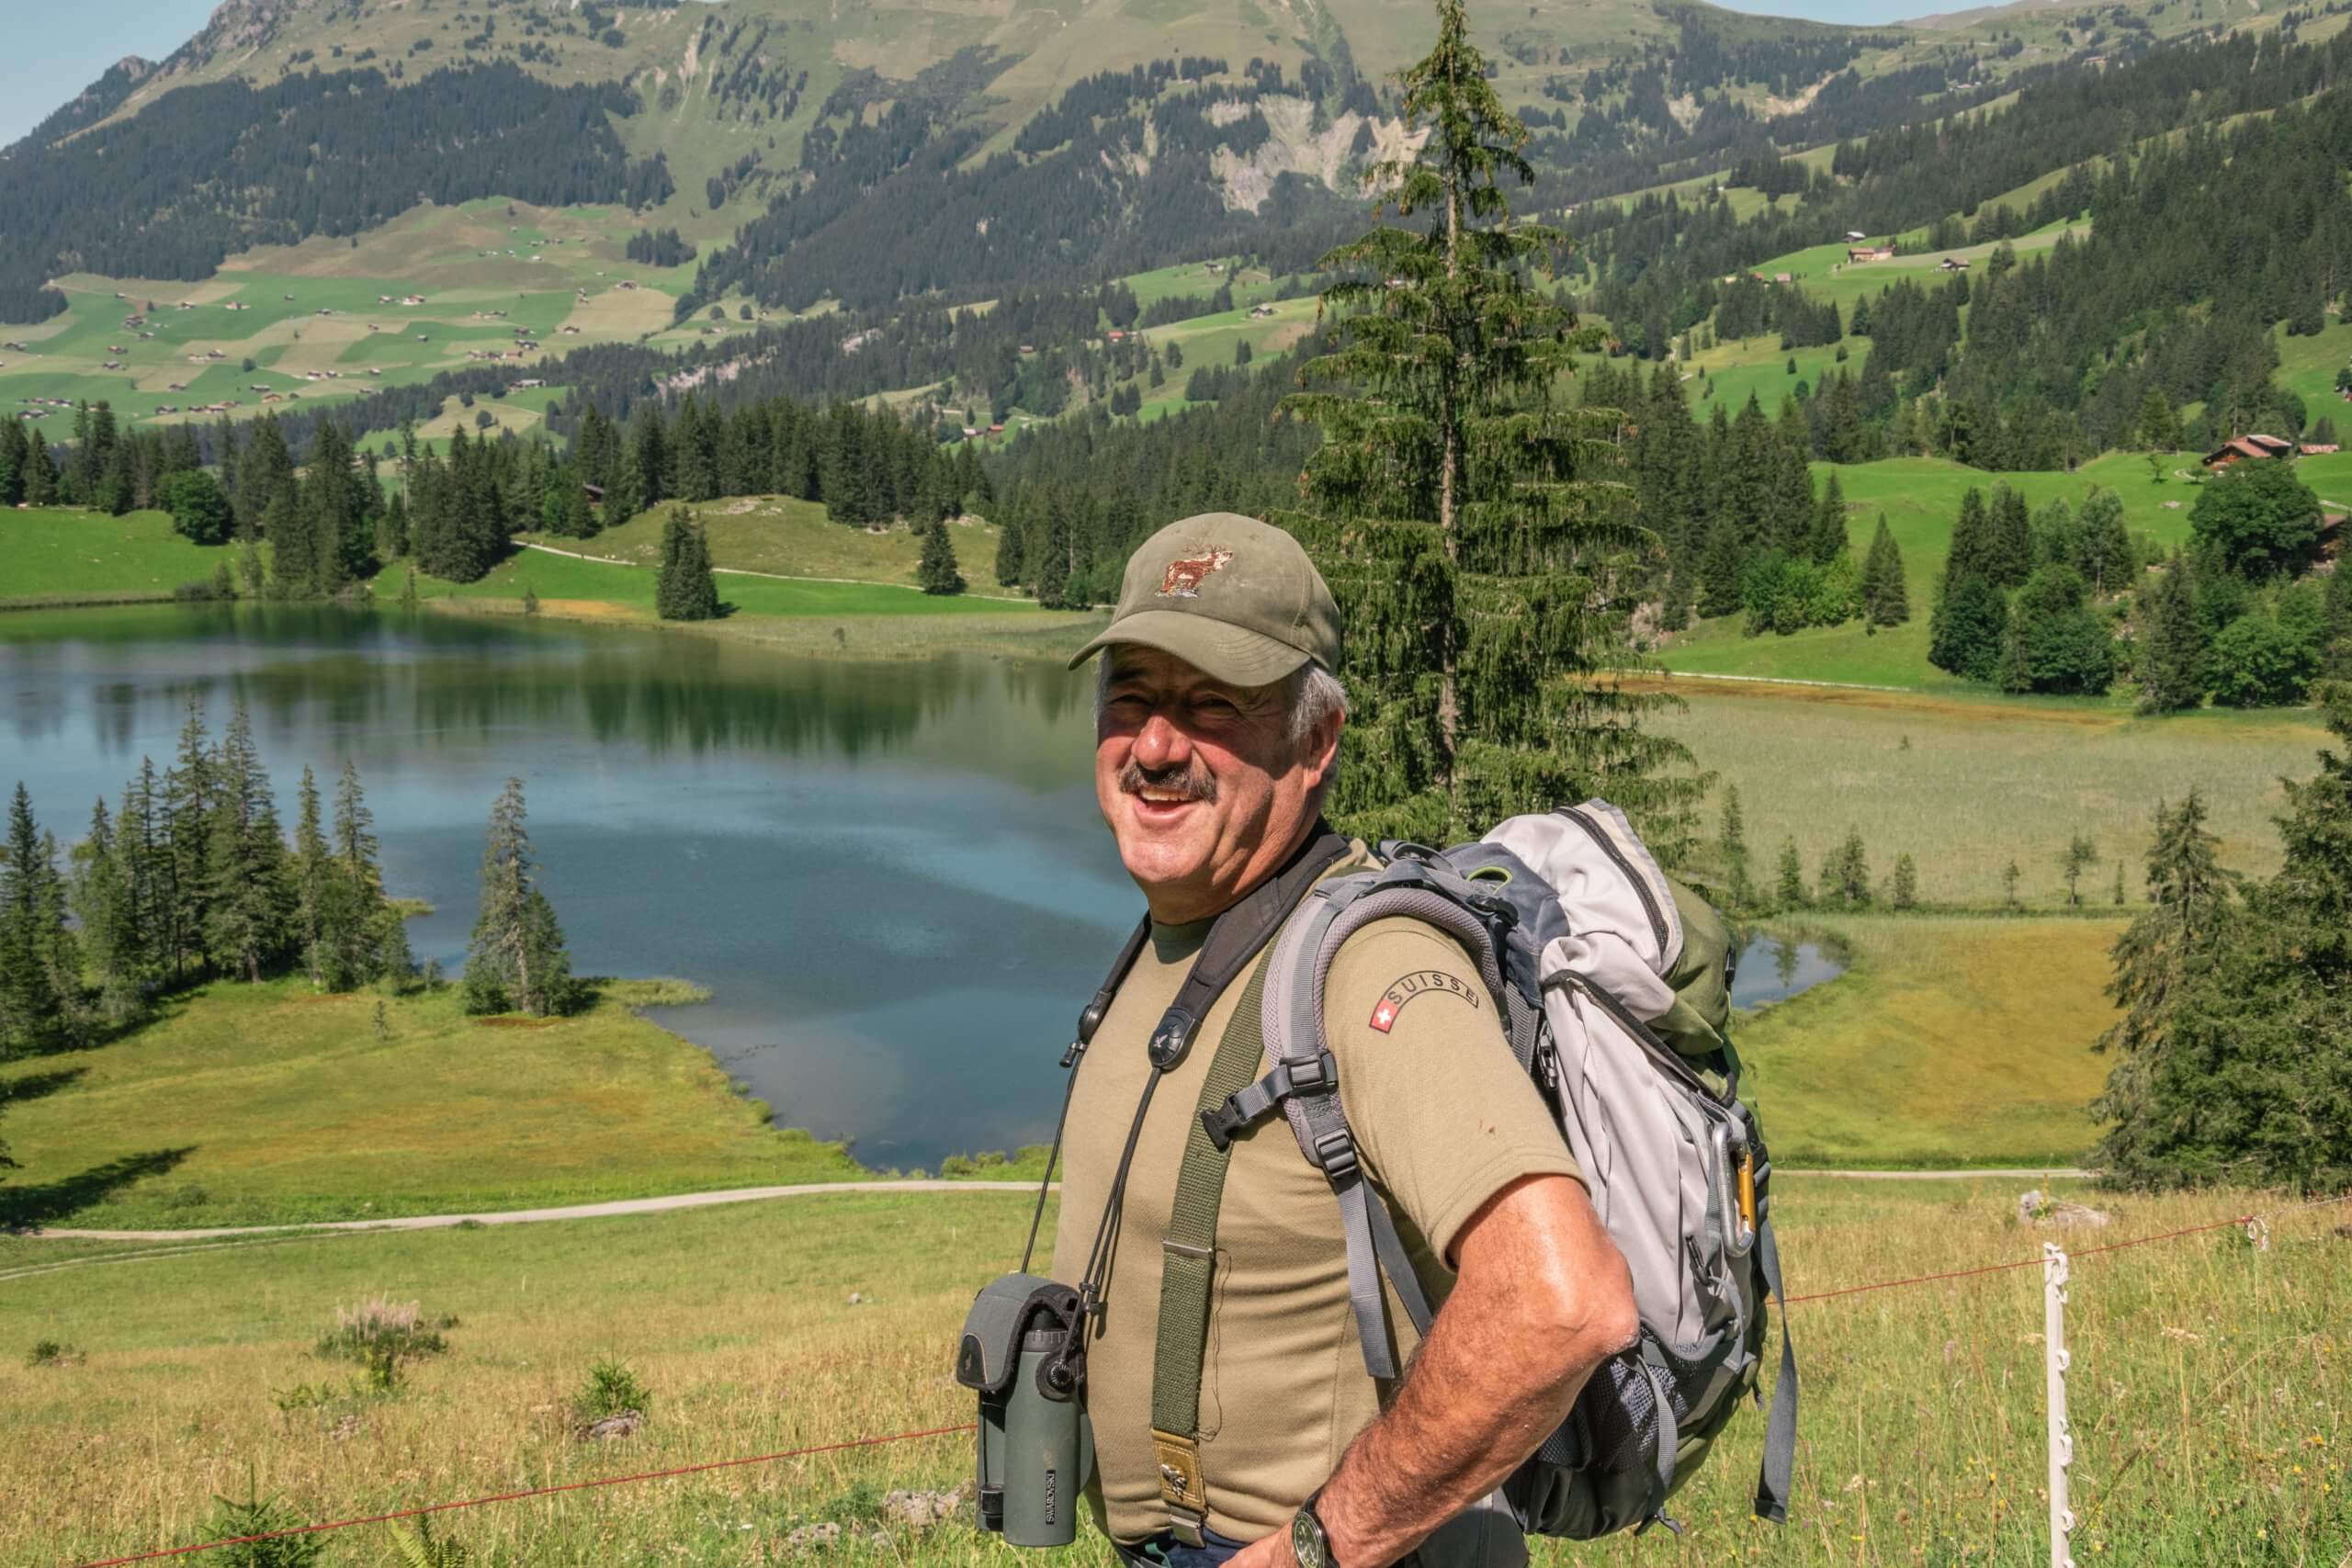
(1443,1118)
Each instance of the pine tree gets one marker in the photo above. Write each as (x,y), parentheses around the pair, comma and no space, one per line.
(936,571)
(41,472)
(2188,895)
(1968,629)
(1733,836)
(361,938)
(1722,571)
(1790,891)
(1907,883)
(2159,425)
(2119,884)
(1972,550)
(2172,642)
(1828,540)
(2079,856)
(2010,561)
(1886,599)
(185,885)
(684,589)
(35,1013)
(311,871)
(293,546)
(2009,874)
(1451,490)
(516,961)
(99,896)
(1009,572)
(247,926)
(1845,875)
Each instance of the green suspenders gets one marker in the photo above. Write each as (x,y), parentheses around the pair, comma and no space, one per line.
(1188,1266)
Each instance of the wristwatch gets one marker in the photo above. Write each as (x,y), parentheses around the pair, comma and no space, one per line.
(1308,1541)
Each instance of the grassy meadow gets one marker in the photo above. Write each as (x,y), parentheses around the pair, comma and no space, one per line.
(268,1104)
(68,556)
(2210,1386)
(1963,786)
(798,538)
(1950,1042)
(1920,497)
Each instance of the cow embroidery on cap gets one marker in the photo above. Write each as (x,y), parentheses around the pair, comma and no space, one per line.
(1182,578)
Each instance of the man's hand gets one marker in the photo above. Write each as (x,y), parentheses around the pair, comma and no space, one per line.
(1541,1299)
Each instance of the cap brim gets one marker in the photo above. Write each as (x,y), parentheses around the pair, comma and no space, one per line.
(1221,651)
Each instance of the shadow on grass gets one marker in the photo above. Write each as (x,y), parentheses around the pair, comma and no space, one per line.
(27,1207)
(36,1086)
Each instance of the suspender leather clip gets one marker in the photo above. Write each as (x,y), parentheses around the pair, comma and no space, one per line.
(1181,1492)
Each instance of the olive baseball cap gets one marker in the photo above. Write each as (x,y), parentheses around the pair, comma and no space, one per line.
(1235,598)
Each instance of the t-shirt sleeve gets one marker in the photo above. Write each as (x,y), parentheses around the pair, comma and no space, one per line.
(1444,1114)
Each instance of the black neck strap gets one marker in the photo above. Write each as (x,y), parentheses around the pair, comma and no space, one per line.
(1237,937)
(1241,932)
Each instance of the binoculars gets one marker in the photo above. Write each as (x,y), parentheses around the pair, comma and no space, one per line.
(1036,1448)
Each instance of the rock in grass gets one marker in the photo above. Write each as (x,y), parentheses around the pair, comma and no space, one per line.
(620,1424)
(920,1510)
(2040,1207)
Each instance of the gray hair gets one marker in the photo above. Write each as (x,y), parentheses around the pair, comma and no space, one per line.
(1311,695)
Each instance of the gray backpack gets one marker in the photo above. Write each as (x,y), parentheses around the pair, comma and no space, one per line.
(1613,982)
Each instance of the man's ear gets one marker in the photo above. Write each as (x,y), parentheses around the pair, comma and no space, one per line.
(1323,747)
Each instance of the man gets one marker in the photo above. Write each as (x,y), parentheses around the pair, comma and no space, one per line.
(1218,731)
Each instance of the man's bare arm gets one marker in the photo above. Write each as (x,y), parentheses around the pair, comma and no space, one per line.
(1541,1299)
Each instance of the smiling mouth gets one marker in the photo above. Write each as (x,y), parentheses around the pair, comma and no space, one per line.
(1169,795)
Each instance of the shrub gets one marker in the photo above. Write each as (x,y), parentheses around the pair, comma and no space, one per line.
(382,1328)
(611,1390)
(259,1516)
(52,1353)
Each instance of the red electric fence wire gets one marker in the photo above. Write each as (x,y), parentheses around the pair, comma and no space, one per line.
(2235,1220)
(532,1492)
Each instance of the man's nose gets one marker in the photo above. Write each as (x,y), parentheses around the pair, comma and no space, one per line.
(1161,743)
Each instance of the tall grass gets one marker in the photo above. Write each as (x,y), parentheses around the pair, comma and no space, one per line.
(2210,1387)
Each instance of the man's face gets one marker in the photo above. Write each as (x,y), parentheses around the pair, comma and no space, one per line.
(1201,781)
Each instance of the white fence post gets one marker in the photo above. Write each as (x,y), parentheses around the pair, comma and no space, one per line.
(2055,1360)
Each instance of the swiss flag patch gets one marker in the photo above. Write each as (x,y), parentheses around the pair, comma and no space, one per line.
(1383,1015)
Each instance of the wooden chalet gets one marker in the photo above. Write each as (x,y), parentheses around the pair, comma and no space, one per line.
(2238,449)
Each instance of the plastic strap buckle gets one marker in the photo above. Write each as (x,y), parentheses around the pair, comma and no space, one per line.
(1225,1122)
(1335,1155)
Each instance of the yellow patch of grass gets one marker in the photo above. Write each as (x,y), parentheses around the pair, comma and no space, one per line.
(2208,1386)
(264,1103)
(1951,1042)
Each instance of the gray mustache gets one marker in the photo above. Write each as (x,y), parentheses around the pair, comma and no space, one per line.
(1191,781)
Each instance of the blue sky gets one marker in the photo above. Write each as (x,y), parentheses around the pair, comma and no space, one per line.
(56,51)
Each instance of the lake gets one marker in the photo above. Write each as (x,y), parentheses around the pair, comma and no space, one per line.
(1772,967)
(892,878)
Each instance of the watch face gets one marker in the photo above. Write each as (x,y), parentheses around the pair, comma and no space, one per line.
(1307,1541)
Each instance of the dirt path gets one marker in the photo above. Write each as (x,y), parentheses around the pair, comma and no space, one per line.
(676,1201)
(661,1205)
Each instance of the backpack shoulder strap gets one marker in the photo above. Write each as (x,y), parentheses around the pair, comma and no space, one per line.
(1304,1080)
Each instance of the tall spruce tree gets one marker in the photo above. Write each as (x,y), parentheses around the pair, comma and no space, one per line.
(1456,508)
(309,868)
(936,571)
(1829,536)
(1733,838)
(684,589)
(2172,664)
(100,897)
(185,898)
(1886,599)
(363,937)
(247,924)
(2155,960)
(1788,890)
(36,1011)
(516,961)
